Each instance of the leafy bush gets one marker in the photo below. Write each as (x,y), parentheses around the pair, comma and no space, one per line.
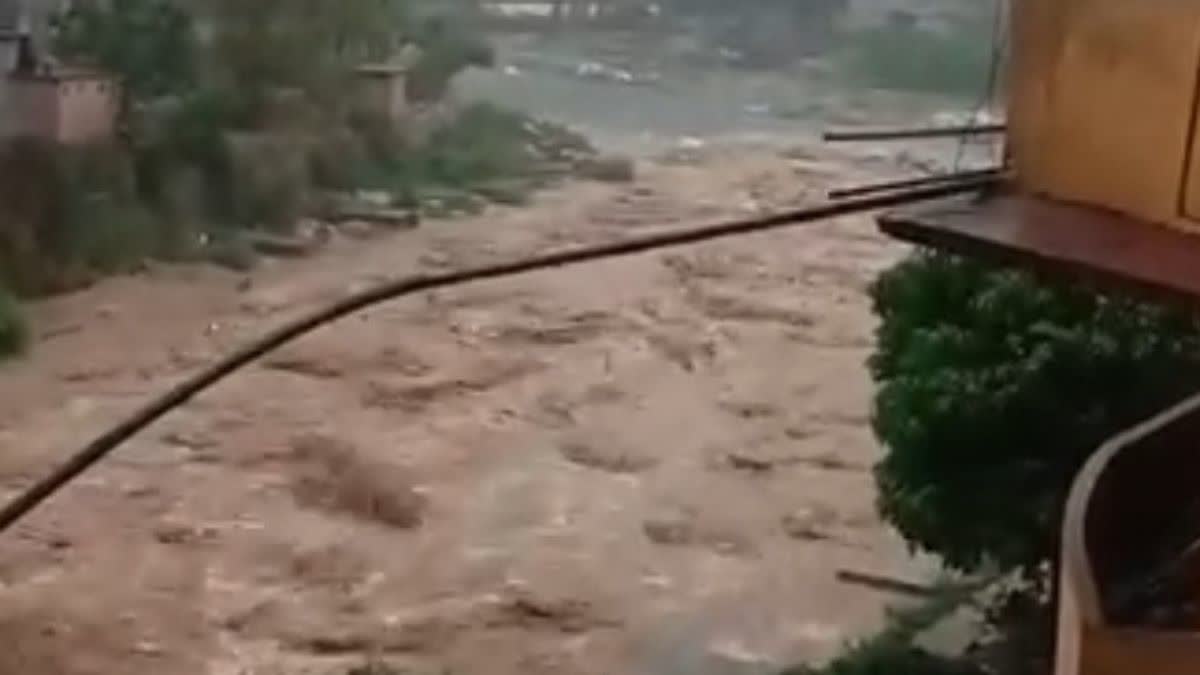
(484,142)
(995,388)
(484,151)
(271,178)
(447,48)
(67,213)
(889,657)
(338,159)
(116,237)
(13,333)
(150,44)
(893,650)
(187,135)
(259,47)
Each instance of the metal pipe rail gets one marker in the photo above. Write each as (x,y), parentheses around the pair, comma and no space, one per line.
(912,183)
(846,135)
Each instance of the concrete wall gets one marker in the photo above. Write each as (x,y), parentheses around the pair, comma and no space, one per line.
(34,108)
(77,110)
(87,110)
(384,95)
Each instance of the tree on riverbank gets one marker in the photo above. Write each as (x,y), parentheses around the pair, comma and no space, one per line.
(151,44)
(237,115)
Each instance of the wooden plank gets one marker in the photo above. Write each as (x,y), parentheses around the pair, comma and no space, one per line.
(1101,102)
(1075,243)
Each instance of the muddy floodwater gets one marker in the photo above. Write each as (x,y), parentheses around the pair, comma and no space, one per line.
(652,466)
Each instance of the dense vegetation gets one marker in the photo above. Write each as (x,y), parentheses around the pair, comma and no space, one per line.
(486,143)
(994,388)
(68,213)
(448,47)
(895,651)
(889,657)
(237,116)
(152,44)
(240,116)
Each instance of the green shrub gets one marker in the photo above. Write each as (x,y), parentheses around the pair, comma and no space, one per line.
(993,389)
(338,159)
(68,213)
(893,650)
(495,153)
(150,44)
(115,237)
(186,135)
(13,332)
(448,47)
(101,228)
(270,178)
(482,143)
(889,657)
(257,48)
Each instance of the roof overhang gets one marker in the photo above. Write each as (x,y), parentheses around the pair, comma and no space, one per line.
(1076,243)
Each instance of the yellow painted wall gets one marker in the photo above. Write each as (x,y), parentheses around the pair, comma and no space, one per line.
(1101,102)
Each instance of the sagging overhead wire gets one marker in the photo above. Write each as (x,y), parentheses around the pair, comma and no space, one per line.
(106,443)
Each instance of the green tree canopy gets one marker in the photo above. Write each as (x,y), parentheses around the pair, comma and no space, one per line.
(150,44)
(994,389)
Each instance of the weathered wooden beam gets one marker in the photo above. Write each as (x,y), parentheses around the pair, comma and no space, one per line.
(1060,241)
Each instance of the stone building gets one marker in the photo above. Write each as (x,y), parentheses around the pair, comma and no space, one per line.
(44,99)
(66,105)
(382,89)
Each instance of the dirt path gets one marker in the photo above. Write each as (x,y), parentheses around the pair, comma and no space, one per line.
(650,466)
